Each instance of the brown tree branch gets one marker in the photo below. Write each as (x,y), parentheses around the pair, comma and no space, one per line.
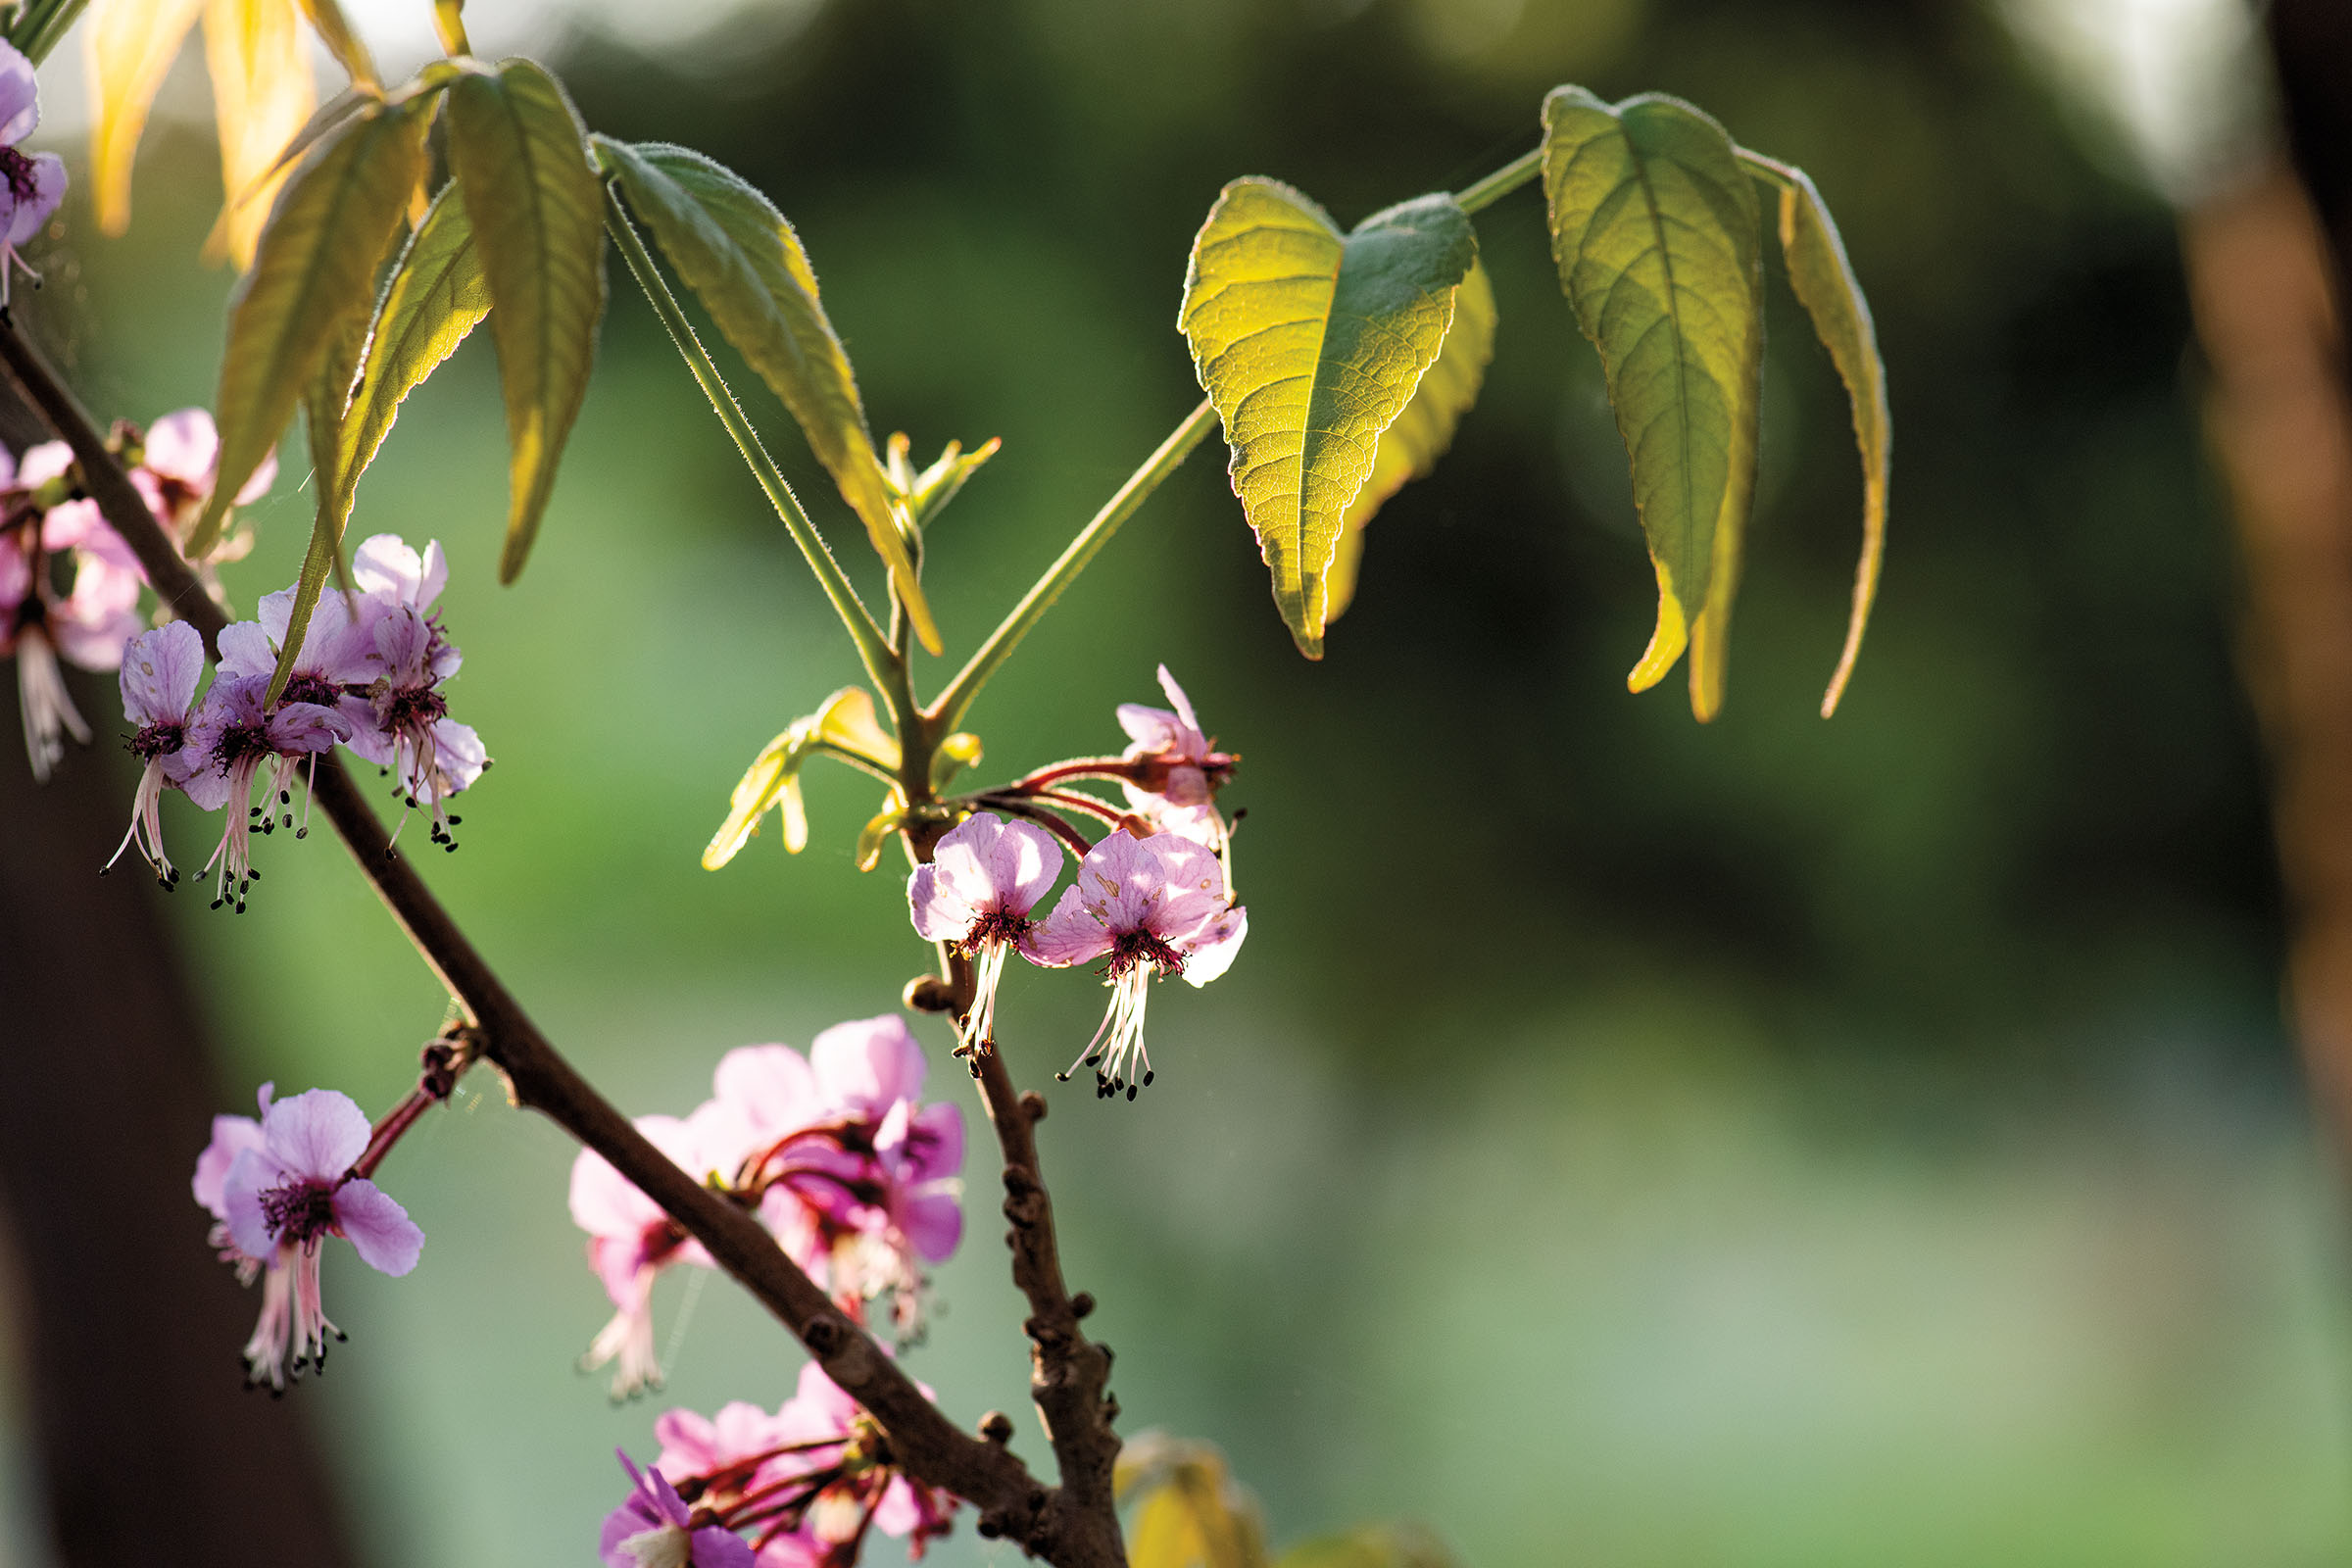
(1064,1526)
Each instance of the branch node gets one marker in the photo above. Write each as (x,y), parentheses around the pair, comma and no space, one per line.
(929,992)
(1033,1105)
(823,1336)
(997,1427)
(1082,1303)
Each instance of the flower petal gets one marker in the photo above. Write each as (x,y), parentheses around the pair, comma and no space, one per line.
(1072,934)
(160,671)
(386,1239)
(252,1173)
(245,650)
(865,1066)
(184,445)
(20,98)
(1216,946)
(231,1136)
(315,1134)
(30,213)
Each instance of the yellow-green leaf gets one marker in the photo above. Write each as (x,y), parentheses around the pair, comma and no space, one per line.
(1310,343)
(927,494)
(746,264)
(520,159)
(1657,237)
(312,276)
(1412,446)
(1375,1546)
(845,726)
(1189,1513)
(262,94)
(130,44)
(1826,285)
(343,41)
(322,417)
(878,832)
(952,757)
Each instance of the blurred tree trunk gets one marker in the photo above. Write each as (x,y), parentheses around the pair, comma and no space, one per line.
(148,1448)
(2266,267)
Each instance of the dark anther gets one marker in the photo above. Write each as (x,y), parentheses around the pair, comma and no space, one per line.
(1033,1105)
(997,1427)
(928,993)
(823,1336)
(1082,1303)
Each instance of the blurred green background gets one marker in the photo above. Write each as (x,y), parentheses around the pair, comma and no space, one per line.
(1623,1142)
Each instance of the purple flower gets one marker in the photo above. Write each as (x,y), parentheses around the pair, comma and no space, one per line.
(432,755)
(1152,908)
(180,463)
(277,1189)
(234,734)
(631,1242)
(88,625)
(983,880)
(337,661)
(160,671)
(1173,770)
(655,1529)
(30,184)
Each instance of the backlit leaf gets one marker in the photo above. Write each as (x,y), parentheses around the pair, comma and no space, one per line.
(1189,1513)
(128,45)
(847,728)
(1412,446)
(1657,237)
(262,94)
(927,494)
(322,417)
(520,159)
(343,41)
(1375,1546)
(746,264)
(312,276)
(1824,283)
(1310,343)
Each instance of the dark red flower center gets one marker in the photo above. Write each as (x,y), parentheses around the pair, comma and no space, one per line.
(302,687)
(299,1212)
(414,709)
(23,183)
(1132,948)
(997,925)
(158,740)
(240,741)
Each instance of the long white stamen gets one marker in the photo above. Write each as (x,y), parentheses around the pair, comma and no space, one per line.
(48,708)
(147,825)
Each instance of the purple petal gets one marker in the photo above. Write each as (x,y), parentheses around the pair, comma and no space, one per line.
(940,909)
(1020,862)
(1152,729)
(1216,946)
(198,780)
(264,474)
(184,446)
(27,215)
(1070,935)
(232,1136)
(771,1086)
(384,565)
(461,754)
(714,1548)
(252,1173)
(316,1134)
(245,650)
(866,1064)
(386,1239)
(298,727)
(20,98)
(935,1141)
(932,1217)
(160,671)
(1178,701)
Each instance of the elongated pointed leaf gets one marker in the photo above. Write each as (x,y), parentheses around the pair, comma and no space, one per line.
(322,416)
(262,94)
(1658,240)
(343,41)
(1826,285)
(521,158)
(312,276)
(1412,446)
(746,264)
(1310,343)
(130,44)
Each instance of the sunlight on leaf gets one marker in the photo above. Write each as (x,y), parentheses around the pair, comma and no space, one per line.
(1374,1547)
(846,727)
(313,278)
(128,45)
(1825,284)
(1189,1513)
(746,264)
(927,494)
(322,419)
(1310,343)
(519,156)
(1412,446)
(262,94)
(343,41)
(1657,237)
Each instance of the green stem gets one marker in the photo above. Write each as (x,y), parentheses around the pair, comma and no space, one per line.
(1500,183)
(949,710)
(888,673)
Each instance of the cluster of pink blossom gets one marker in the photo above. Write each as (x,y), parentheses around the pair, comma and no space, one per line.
(368,675)
(1146,907)
(68,585)
(276,1189)
(806,1485)
(836,1152)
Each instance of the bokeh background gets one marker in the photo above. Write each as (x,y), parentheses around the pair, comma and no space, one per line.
(1623,1142)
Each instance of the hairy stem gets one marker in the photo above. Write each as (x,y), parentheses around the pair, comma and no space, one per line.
(1500,183)
(1062,1526)
(949,709)
(872,646)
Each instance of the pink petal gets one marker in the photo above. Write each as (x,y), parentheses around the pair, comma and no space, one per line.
(1178,701)
(160,671)
(43,462)
(20,98)
(865,1066)
(771,1086)
(714,1548)
(264,474)
(934,1141)
(932,1217)
(232,1136)
(315,1134)
(1070,935)
(386,1239)
(185,446)
(252,1173)
(1216,946)
(1024,864)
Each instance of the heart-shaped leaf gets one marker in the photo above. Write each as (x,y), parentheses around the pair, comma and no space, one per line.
(1657,237)
(131,44)
(746,264)
(262,94)
(1310,343)
(1412,446)
(313,276)
(1826,285)
(519,155)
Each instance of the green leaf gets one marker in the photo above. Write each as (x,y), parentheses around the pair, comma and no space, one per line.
(1188,1511)
(131,44)
(1375,1546)
(435,296)
(878,832)
(313,276)
(1310,343)
(1658,240)
(844,727)
(1412,446)
(519,156)
(928,493)
(1826,285)
(952,757)
(746,264)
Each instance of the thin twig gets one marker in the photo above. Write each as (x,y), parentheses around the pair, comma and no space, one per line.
(1063,1526)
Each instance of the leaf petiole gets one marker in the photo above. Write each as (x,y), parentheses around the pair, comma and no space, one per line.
(1520,171)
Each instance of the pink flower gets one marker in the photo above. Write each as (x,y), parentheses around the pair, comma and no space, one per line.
(234,735)
(180,463)
(984,878)
(88,625)
(432,755)
(655,1529)
(1173,770)
(1153,908)
(277,1189)
(631,1242)
(30,184)
(160,671)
